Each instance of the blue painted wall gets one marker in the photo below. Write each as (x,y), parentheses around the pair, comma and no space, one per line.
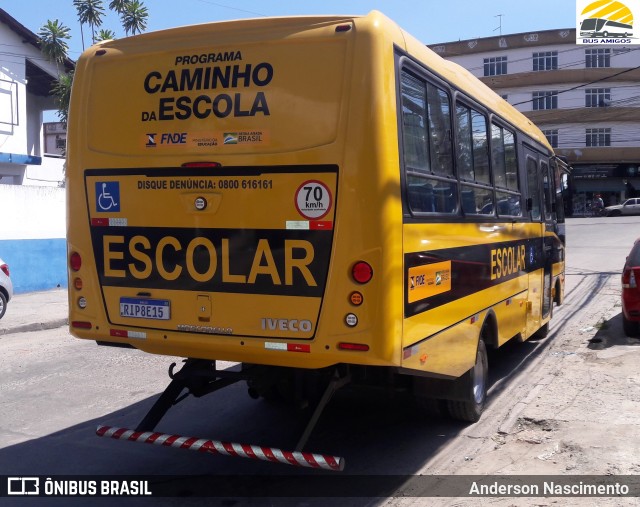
(35,264)
(32,236)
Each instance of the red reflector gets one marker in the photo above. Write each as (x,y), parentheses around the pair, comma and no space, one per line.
(360,347)
(118,332)
(202,164)
(296,347)
(318,225)
(99,222)
(75,261)
(343,28)
(362,272)
(81,325)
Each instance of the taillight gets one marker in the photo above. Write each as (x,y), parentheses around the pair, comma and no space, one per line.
(629,279)
(362,272)
(75,261)
(81,324)
(360,347)
(5,269)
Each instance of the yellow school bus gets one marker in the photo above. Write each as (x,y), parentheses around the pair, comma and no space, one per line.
(321,199)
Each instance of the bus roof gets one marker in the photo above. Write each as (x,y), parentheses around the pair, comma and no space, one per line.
(375,21)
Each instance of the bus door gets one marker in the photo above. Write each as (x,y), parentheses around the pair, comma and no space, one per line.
(535,249)
(550,233)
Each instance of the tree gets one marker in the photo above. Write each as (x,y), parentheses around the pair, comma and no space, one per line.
(53,36)
(62,93)
(105,35)
(134,17)
(118,5)
(90,12)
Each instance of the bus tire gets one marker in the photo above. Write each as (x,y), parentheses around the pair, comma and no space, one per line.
(541,333)
(477,379)
(558,296)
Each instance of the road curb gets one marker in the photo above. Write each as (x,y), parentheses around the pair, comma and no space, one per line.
(36,326)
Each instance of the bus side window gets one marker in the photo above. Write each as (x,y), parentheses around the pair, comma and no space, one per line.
(431,184)
(473,162)
(440,141)
(533,200)
(420,195)
(547,186)
(414,126)
(505,171)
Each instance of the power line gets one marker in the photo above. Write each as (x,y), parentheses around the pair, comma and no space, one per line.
(232,8)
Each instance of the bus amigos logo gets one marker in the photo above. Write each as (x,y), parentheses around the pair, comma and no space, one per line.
(606,22)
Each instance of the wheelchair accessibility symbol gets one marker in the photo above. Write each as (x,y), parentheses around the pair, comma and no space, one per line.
(107,196)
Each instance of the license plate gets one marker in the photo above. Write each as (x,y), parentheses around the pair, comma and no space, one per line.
(138,308)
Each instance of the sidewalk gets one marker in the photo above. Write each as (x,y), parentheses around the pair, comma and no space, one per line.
(34,311)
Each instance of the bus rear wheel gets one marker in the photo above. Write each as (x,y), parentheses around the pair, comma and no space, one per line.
(476,380)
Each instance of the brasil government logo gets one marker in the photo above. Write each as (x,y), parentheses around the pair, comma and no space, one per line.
(607,22)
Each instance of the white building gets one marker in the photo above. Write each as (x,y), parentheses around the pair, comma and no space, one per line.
(32,205)
(586,99)
(26,77)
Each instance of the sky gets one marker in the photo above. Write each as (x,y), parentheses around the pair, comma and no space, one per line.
(430,21)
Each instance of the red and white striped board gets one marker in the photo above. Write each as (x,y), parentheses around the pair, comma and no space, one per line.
(295,458)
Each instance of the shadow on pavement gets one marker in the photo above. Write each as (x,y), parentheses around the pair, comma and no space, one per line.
(378,433)
(611,334)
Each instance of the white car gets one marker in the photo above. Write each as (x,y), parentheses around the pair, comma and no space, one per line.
(6,287)
(628,207)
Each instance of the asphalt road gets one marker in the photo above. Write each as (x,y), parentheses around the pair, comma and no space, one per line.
(55,390)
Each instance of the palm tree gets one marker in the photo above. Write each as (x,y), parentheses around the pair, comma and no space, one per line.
(91,12)
(105,35)
(134,17)
(62,95)
(53,36)
(118,5)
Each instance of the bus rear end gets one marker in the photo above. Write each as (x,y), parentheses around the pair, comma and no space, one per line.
(205,170)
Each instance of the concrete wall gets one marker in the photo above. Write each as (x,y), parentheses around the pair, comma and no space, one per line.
(32,236)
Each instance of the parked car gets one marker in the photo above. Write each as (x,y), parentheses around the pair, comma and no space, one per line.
(631,292)
(628,207)
(6,287)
